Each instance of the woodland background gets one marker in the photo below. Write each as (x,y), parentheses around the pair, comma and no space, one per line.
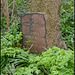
(16,60)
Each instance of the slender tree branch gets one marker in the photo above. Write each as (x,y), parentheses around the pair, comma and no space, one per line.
(12,12)
(6,13)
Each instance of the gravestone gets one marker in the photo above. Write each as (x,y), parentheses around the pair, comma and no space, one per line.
(50,9)
(34,28)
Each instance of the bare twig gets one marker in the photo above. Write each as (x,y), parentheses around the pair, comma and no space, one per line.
(30,47)
(10,4)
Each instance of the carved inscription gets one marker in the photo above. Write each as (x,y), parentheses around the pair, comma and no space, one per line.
(33,28)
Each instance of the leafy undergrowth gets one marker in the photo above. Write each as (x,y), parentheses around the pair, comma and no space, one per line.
(54,61)
(67,22)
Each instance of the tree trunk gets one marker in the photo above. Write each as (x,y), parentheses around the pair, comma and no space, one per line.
(50,9)
(6,13)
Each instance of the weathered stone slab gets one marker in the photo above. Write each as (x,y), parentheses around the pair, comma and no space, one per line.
(34,28)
